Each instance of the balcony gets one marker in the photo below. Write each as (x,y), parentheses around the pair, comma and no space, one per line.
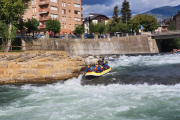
(45,2)
(42,11)
(81,9)
(44,18)
(42,26)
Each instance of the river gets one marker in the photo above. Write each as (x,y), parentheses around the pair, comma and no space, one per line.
(138,88)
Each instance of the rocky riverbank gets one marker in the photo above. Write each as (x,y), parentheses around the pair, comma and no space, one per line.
(39,67)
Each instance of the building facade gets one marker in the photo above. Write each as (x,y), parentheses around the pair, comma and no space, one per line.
(94,18)
(68,12)
(177,20)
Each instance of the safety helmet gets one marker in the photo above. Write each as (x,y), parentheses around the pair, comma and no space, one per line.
(88,66)
(101,66)
(96,65)
(104,61)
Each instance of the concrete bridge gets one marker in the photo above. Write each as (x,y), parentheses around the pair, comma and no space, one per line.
(167,35)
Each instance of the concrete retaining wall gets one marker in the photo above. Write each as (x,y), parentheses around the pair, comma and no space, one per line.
(121,45)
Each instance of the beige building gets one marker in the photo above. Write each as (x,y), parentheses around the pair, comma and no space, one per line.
(68,12)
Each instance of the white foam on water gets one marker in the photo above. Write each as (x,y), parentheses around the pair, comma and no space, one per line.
(146,60)
(72,101)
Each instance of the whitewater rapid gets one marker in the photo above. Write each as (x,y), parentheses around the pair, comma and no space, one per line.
(116,100)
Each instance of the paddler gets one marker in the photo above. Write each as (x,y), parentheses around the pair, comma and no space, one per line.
(95,64)
(106,66)
(88,69)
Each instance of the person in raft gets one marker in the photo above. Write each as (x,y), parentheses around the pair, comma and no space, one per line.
(102,68)
(95,64)
(103,62)
(97,69)
(106,66)
(88,69)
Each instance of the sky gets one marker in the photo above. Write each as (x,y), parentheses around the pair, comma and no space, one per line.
(106,7)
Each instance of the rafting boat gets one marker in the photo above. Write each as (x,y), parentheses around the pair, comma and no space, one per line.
(95,74)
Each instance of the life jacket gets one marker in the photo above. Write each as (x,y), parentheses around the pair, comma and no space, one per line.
(105,65)
(88,70)
(96,69)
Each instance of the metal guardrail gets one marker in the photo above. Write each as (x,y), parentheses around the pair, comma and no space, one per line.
(166,32)
(31,48)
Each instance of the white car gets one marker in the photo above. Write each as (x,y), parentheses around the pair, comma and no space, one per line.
(39,36)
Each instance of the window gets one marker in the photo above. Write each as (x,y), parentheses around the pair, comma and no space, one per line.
(77,19)
(55,1)
(69,25)
(76,25)
(63,4)
(69,18)
(63,11)
(54,16)
(76,12)
(95,21)
(34,9)
(63,25)
(32,2)
(69,4)
(63,18)
(53,8)
(77,5)
(69,11)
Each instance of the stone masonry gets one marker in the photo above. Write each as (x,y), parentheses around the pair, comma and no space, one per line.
(38,67)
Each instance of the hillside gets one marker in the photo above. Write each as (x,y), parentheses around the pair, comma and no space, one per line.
(165,11)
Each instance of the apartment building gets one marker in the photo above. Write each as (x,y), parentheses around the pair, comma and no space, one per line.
(68,12)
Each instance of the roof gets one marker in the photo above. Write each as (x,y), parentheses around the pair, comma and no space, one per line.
(93,17)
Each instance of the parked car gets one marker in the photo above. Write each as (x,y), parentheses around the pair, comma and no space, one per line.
(39,36)
(88,36)
(102,36)
(61,36)
(76,36)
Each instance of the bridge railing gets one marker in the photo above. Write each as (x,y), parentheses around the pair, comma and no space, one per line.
(165,32)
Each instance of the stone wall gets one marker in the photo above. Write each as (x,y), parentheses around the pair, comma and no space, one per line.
(117,45)
(38,67)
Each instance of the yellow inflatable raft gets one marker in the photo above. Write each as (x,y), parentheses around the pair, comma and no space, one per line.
(94,74)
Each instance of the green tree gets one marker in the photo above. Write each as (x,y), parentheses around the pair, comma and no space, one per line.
(172,26)
(123,27)
(53,25)
(20,25)
(115,14)
(101,27)
(112,26)
(93,28)
(79,29)
(32,25)
(125,11)
(149,22)
(10,11)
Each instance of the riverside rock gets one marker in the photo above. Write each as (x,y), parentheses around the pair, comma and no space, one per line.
(39,67)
